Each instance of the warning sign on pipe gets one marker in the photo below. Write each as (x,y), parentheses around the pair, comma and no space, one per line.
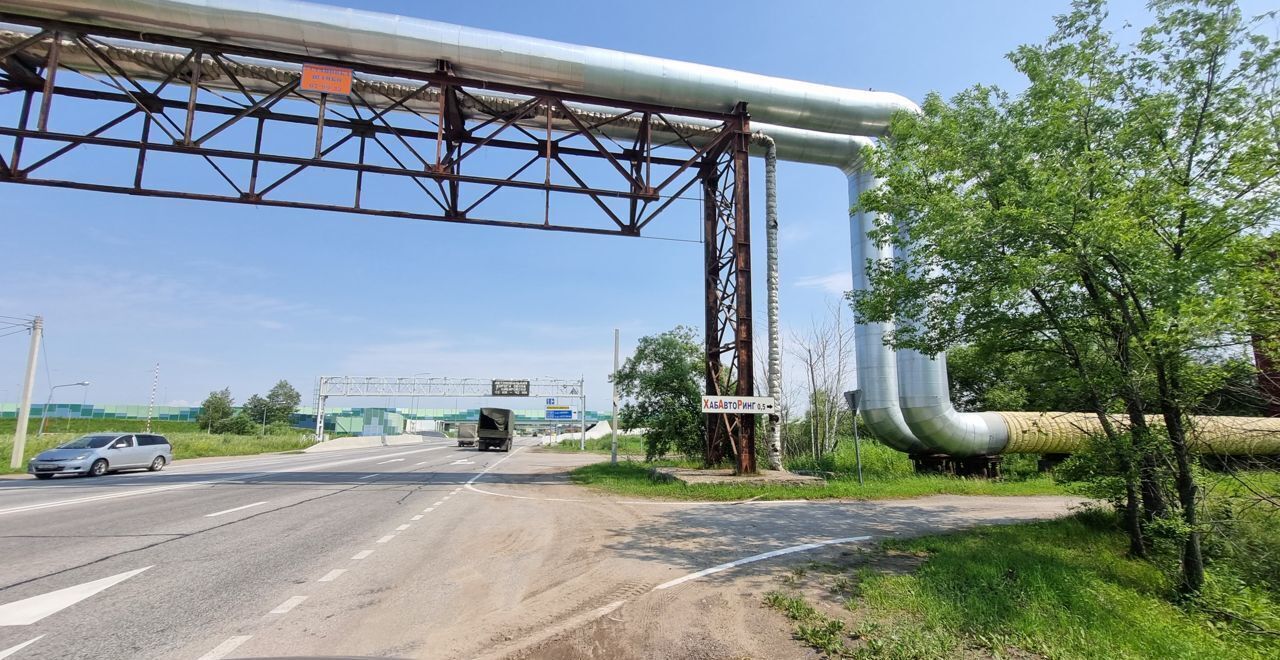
(739,405)
(325,79)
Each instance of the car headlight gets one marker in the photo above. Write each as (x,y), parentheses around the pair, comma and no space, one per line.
(81,457)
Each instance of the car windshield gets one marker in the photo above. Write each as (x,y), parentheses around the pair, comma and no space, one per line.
(89,442)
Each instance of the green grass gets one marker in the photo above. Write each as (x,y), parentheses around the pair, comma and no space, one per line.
(628,445)
(1058,589)
(188,442)
(633,479)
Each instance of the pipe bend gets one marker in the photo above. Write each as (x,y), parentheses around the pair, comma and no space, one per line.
(926,406)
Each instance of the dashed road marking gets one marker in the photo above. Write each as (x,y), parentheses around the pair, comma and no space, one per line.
(283,608)
(402,527)
(369,475)
(394,460)
(332,575)
(429,509)
(417,517)
(438,503)
(386,538)
(239,508)
(224,649)
(362,554)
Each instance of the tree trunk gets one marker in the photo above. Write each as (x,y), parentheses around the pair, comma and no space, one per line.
(1192,558)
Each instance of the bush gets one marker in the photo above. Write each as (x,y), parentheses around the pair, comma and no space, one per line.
(238,424)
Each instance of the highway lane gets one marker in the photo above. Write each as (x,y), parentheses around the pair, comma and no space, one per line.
(200,568)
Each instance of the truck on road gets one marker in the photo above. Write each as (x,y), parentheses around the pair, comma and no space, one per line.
(496,428)
(467,434)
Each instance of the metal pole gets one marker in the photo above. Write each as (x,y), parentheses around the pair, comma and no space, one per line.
(613,421)
(24,406)
(857,450)
(582,387)
(151,406)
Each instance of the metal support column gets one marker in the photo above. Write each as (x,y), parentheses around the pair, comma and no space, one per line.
(727,225)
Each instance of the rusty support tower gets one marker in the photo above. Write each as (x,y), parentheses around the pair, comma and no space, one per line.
(402,143)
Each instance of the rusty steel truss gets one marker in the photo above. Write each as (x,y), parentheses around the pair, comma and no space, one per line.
(402,143)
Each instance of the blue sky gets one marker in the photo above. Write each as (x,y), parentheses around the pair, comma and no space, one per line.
(228,295)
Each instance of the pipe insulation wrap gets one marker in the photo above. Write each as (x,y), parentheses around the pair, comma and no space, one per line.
(1064,433)
(384,39)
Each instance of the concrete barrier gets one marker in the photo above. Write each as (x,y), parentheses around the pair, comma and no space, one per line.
(364,441)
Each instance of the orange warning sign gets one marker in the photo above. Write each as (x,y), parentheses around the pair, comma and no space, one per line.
(325,79)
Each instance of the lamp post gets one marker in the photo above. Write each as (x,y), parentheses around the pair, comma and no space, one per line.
(45,411)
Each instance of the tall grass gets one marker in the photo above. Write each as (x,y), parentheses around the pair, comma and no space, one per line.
(188,442)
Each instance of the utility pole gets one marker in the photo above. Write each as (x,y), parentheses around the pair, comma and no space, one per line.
(613,422)
(24,406)
(155,382)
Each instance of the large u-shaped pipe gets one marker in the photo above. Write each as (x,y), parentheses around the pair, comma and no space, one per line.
(876,363)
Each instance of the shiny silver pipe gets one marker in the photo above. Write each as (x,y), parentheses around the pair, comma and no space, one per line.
(876,362)
(925,399)
(384,39)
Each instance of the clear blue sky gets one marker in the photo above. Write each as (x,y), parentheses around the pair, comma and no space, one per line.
(228,295)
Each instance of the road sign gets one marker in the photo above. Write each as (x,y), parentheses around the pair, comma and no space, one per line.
(510,388)
(551,401)
(739,405)
(559,412)
(325,79)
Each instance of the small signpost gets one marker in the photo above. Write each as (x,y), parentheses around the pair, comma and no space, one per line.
(739,405)
(560,412)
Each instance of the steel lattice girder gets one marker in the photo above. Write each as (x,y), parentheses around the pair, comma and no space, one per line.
(425,127)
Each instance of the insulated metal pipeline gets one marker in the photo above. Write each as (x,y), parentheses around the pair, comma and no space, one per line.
(905,396)
(771,279)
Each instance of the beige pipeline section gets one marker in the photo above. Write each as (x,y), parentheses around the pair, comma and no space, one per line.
(1064,433)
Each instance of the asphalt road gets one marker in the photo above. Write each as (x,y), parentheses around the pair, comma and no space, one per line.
(409,551)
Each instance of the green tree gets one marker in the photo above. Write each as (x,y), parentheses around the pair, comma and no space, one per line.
(661,385)
(257,409)
(216,407)
(282,402)
(1106,215)
(237,424)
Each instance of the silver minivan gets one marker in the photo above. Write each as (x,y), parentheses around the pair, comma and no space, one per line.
(99,453)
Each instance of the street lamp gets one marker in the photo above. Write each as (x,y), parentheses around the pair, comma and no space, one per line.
(45,410)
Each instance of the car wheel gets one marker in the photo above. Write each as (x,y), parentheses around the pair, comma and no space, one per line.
(44,476)
(98,468)
(157,465)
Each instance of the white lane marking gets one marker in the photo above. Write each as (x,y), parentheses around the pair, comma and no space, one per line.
(463,461)
(14,649)
(283,608)
(368,475)
(417,517)
(224,649)
(332,575)
(421,463)
(494,465)
(445,498)
(394,460)
(30,610)
(760,557)
(402,527)
(362,554)
(386,538)
(455,491)
(429,509)
(203,482)
(239,508)
(438,503)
